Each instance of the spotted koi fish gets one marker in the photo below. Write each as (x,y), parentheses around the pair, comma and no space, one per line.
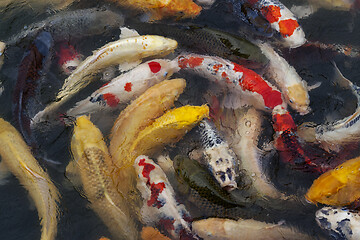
(254,91)
(340,221)
(126,86)
(282,20)
(220,159)
(160,206)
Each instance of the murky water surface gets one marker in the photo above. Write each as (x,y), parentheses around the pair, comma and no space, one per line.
(329,102)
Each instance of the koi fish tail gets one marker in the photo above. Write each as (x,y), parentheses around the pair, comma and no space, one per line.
(287,142)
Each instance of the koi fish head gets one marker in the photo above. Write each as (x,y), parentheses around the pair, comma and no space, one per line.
(163,68)
(292,33)
(69,58)
(298,98)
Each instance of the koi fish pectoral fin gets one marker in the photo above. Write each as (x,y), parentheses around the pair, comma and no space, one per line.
(4,173)
(314,86)
(73,175)
(127,66)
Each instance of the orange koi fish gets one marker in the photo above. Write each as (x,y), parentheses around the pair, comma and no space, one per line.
(337,187)
(164,8)
(282,20)
(254,91)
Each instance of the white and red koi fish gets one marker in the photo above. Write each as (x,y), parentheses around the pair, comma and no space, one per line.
(160,206)
(255,91)
(126,86)
(282,20)
(220,159)
(69,58)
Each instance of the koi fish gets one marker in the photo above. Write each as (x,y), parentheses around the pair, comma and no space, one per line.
(126,86)
(69,58)
(340,133)
(164,8)
(337,187)
(150,233)
(33,66)
(347,50)
(94,166)
(227,229)
(18,159)
(244,132)
(122,51)
(218,156)
(292,86)
(340,221)
(282,20)
(71,24)
(160,206)
(254,91)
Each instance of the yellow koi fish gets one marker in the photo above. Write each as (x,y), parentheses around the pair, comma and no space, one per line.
(125,50)
(337,187)
(18,159)
(163,8)
(93,163)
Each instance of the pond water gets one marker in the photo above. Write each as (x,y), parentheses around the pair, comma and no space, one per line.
(329,102)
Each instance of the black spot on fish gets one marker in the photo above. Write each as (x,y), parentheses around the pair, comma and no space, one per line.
(324,223)
(344,227)
(326,212)
(228,172)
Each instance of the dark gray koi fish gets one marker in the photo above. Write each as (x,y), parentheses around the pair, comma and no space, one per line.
(75,24)
(33,67)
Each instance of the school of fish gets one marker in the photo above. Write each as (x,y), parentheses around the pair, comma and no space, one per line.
(174,129)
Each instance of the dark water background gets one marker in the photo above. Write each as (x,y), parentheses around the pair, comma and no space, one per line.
(19,220)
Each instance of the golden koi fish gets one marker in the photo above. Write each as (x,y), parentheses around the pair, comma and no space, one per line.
(18,159)
(337,187)
(93,163)
(125,50)
(164,8)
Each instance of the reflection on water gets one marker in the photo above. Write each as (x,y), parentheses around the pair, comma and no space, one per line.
(329,102)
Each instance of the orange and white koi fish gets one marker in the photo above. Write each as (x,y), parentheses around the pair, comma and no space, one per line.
(254,91)
(18,159)
(219,158)
(292,86)
(340,133)
(126,86)
(282,20)
(160,206)
(69,58)
(227,229)
(341,221)
(337,187)
(163,8)
(125,50)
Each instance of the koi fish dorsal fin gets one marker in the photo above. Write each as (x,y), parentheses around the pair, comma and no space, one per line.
(127,33)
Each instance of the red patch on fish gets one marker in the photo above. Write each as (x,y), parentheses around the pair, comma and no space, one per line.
(111,99)
(154,67)
(216,67)
(253,82)
(128,86)
(156,189)
(146,170)
(287,27)
(271,13)
(67,53)
(167,224)
(190,62)
(283,122)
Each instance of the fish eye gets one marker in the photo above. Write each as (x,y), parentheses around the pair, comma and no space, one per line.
(291,101)
(165,74)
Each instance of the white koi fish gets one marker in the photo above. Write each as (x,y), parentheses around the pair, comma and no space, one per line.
(126,86)
(160,206)
(219,158)
(341,221)
(340,133)
(291,85)
(122,51)
(18,159)
(226,229)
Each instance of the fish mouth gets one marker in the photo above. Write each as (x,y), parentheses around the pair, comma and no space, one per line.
(230,187)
